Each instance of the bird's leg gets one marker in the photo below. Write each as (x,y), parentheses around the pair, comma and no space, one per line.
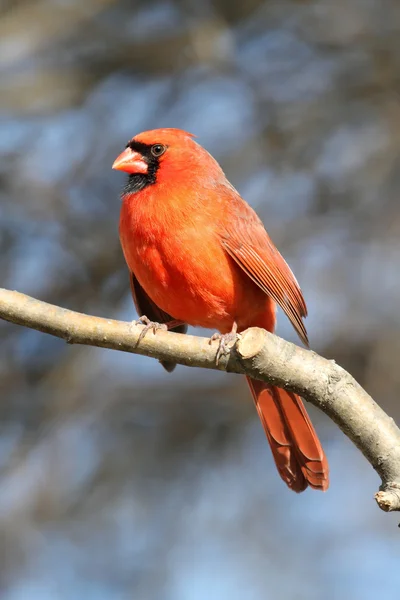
(225,339)
(143,320)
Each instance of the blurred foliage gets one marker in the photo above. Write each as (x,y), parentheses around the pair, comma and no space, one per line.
(118,481)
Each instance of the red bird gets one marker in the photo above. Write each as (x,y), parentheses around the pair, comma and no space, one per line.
(198,254)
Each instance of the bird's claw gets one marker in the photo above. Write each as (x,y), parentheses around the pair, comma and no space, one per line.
(226,342)
(143,320)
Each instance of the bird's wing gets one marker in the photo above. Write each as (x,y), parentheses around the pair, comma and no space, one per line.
(146,306)
(247,242)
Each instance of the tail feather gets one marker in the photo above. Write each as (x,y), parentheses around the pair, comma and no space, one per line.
(296,449)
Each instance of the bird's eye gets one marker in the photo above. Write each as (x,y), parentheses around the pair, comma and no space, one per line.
(157,150)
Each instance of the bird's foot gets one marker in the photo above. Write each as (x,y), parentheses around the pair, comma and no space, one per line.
(226,342)
(143,320)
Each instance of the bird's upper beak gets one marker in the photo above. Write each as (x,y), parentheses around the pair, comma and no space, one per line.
(131,162)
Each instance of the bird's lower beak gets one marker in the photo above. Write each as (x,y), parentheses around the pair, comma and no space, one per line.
(130,162)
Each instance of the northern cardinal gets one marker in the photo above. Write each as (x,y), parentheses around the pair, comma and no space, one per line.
(198,254)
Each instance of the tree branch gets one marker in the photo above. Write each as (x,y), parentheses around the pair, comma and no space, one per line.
(258,354)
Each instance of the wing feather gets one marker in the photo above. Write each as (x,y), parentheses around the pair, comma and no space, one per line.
(250,246)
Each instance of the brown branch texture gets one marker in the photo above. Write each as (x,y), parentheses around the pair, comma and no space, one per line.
(258,354)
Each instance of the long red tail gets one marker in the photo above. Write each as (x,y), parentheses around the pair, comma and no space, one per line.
(296,449)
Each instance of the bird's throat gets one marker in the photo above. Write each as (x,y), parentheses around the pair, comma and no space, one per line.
(138,182)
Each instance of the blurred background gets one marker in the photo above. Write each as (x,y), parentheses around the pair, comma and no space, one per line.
(118,481)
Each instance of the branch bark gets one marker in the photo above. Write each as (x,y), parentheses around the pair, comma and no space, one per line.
(258,354)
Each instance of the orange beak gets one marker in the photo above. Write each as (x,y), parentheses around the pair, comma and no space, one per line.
(130,162)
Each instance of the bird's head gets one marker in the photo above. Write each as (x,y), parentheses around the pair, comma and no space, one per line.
(167,156)
(156,155)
